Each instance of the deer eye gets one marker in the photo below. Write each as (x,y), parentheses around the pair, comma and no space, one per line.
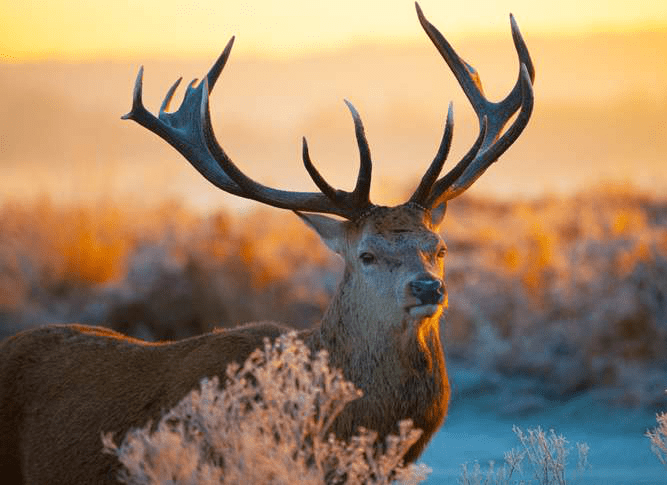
(442,253)
(367,258)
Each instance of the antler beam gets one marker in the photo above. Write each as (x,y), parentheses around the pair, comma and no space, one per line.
(490,144)
(189,130)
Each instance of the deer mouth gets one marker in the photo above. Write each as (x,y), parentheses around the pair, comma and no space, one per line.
(423,310)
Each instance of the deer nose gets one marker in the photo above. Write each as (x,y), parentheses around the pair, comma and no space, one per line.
(429,291)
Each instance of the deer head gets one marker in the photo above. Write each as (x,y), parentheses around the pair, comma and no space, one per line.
(393,279)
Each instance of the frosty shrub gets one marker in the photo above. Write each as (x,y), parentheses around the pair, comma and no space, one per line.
(269,425)
(658,438)
(570,293)
(541,459)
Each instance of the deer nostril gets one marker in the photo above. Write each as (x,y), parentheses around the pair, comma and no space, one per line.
(429,291)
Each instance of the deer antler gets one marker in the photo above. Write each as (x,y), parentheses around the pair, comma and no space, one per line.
(189,131)
(490,145)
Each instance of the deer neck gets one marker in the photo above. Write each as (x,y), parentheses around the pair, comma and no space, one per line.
(370,345)
(398,365)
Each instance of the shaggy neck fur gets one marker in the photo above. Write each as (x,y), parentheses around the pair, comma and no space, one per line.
(399,366)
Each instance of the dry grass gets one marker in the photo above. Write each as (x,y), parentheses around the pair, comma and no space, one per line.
(658,438)
(270,425)
(571,293)
(541,459)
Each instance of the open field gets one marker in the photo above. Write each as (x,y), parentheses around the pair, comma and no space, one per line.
(570,294)
(558,307)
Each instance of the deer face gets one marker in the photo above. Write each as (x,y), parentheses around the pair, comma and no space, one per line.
(397,260)
(394,263)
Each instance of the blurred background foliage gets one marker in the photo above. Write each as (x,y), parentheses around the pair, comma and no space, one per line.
(566,294)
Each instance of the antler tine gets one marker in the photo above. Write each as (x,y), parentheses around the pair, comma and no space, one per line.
(359,198)
(524,58)
(492,116)
(189,130)
(170,94)
(322,184)
(216,69)
(360,194)
(446,181)
(484,159)
(424,189)
(137,103)
(465,74)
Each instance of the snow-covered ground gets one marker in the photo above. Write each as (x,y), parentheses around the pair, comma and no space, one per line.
(478,430)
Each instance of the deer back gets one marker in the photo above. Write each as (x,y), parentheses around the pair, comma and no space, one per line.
(62,386)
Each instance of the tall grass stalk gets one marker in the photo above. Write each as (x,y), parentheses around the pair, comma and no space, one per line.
(658,438)
(541,459)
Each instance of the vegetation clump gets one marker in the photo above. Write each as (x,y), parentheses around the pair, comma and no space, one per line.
(269,425)
(541,459)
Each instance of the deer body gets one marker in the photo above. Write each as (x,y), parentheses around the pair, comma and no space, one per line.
(62,386)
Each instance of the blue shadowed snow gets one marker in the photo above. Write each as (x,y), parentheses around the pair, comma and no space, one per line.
(479,429)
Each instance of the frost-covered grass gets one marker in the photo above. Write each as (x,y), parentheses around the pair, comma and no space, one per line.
(161,273)
(569,294)
(658,438)
(270,425)
(541,459)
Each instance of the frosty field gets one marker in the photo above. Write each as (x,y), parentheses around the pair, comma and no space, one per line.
(557,316)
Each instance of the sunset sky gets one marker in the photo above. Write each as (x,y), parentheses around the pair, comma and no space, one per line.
(87,29)
(601,85)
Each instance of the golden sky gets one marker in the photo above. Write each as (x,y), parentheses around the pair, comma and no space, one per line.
(88,29)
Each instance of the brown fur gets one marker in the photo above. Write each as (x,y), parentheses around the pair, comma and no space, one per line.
(62,386)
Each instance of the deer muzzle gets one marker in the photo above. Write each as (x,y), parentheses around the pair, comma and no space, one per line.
(428,291)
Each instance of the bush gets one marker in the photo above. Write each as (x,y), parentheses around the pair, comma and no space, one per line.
(568,293)
(269,425)
(543,454)
(658,438)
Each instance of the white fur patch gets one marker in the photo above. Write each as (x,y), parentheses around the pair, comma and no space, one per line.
(422,311)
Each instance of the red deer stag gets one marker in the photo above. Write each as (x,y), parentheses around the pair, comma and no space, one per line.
(62,386)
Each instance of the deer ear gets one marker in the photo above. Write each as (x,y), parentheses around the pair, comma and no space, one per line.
(438,214)
(330,230)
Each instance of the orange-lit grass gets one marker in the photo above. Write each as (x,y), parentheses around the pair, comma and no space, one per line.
(533,286)
(43,245)
(92,252)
